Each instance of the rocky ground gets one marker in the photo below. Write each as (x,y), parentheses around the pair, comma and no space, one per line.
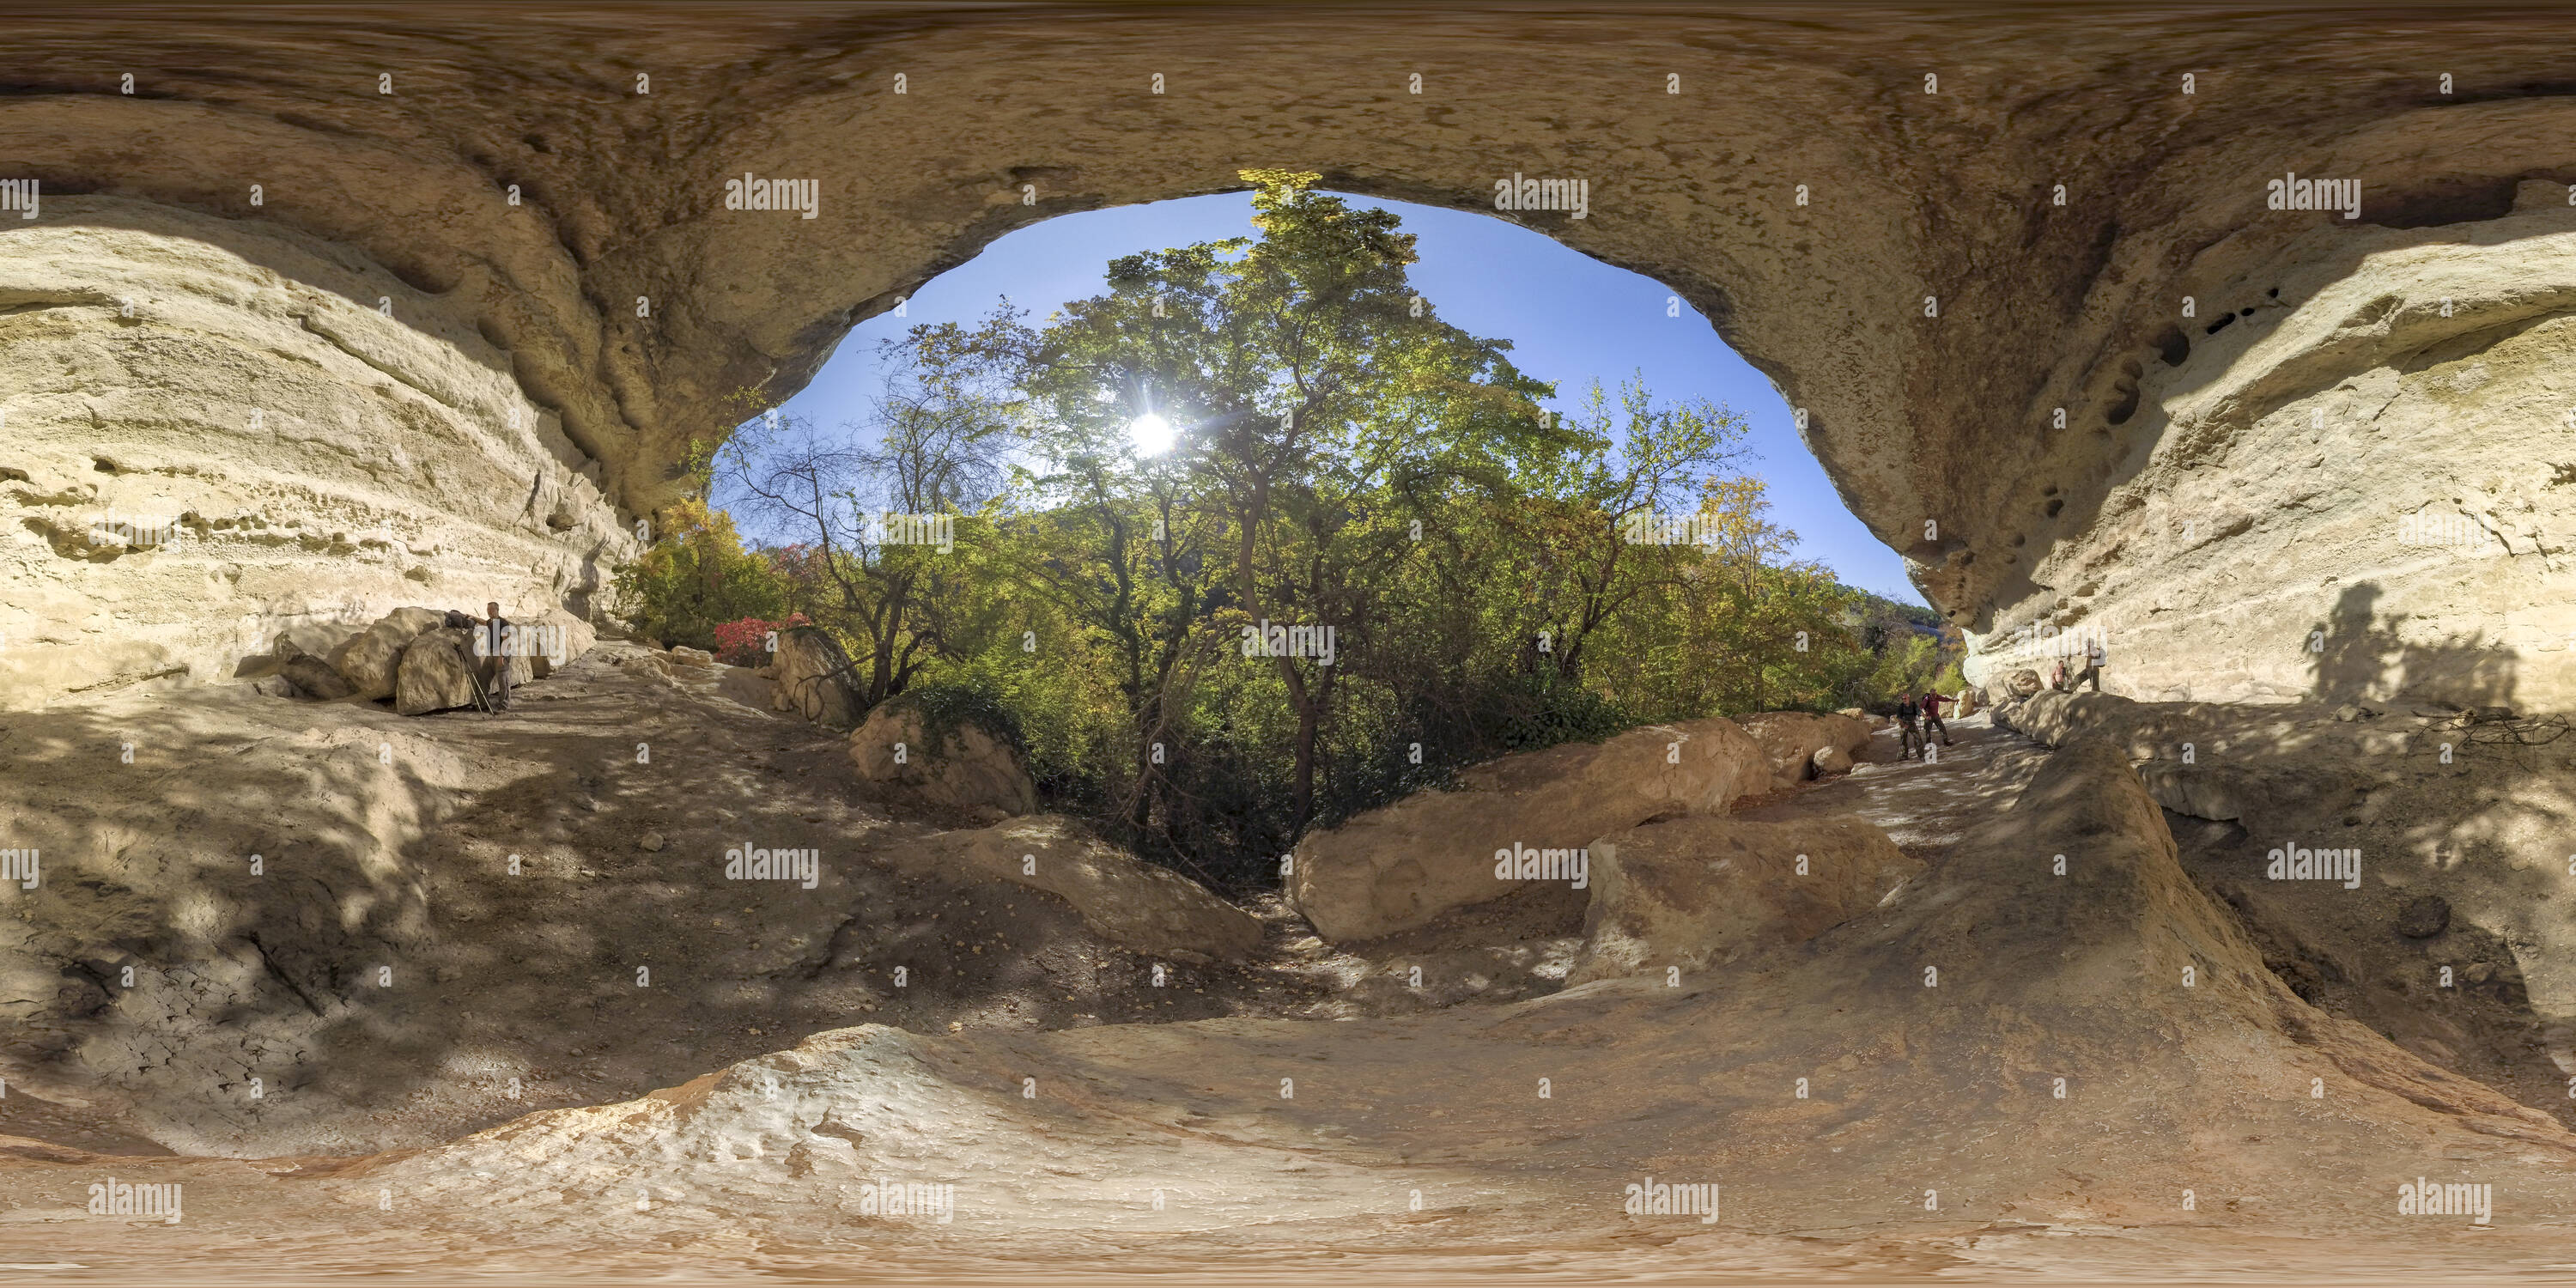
(2454,933)
(1997,1069)
(388,845)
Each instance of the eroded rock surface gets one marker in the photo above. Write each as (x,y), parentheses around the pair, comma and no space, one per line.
(2047,1021)
(2474,814)
(1794,739)
(1398,866)
(960,767)
(1683,892)
(1133,904)
(811,677)
(2185,417)
(213,435)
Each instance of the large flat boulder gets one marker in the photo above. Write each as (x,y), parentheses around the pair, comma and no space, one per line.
(953,764)
(1397,867)
(437,673)
(1134,904)
(371,658)
(1791,739)
(1689,891)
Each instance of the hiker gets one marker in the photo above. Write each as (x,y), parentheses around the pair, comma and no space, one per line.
(1932,719)
(2094,656)
(1910,737)
(2057,678)
(496,637)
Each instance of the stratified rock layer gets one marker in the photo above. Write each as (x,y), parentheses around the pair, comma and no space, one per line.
(2050,337)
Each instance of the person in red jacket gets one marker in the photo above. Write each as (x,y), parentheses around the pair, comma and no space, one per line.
(1931,703)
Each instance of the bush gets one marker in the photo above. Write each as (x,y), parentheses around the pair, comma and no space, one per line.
(696,577)
(946,708)
(746,642)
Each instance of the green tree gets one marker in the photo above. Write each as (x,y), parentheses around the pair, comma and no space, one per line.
(696,576)
(1317,402)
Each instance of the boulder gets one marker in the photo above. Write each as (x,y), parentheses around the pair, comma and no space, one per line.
(321,639)
(564,637)
(1791,739)
(1831,760)
(813,678)
(2022,684)
(516,652)
(436,674)
(652,664)
(1137,905)
(278,686)
(1399,866)
(961,767)
(2424,917)
(1690,891)
(311,676)
(683,655)
(1971,700)
(371,658)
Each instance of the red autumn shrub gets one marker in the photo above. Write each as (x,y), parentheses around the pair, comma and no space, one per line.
(746,642)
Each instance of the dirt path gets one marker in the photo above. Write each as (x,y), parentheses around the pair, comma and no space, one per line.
(1924,806)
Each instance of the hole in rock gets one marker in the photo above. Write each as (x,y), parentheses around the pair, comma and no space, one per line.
(2172,346)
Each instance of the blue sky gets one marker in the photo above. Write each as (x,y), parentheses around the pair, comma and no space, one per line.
(1570,318)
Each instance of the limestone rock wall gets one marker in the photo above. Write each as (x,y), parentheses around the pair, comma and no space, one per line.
(213,435)
(1934,228)
(2358,482)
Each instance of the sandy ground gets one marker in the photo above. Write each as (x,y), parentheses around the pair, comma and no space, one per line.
(2059,1106)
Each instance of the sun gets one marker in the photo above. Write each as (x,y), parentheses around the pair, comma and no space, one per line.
(1152,434)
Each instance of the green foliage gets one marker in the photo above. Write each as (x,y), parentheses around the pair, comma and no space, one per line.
(947,708)
(1497,579)
(697,577)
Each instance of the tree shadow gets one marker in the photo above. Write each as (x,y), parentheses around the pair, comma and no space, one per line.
(2358,654)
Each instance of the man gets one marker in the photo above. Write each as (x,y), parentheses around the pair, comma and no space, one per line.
(1932,719)
(2057,677)
(2094,656)
(498,638)
(1909,738)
